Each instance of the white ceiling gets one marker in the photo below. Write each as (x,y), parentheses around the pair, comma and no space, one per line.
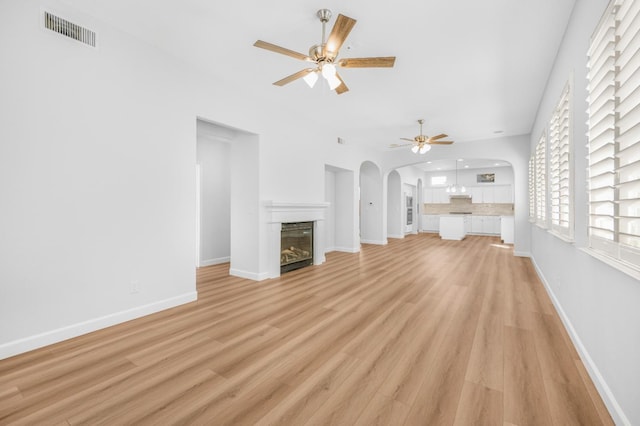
(462,163)
(469,67)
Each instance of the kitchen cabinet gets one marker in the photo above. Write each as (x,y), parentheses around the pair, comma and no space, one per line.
(436,196)
(476,194)
(430,222)
(503,194)
(491,194)
(485,225)
(507,225)
(453,227)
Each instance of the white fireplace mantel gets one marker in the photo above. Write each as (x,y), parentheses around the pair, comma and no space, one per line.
(287,212)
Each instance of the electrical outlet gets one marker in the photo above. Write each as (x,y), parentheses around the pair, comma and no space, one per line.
(135,287)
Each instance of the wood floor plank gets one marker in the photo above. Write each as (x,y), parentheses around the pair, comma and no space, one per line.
(420,331)
(605,417)
(382,411)
(299,406)
(407,375)
(525,399)
(486,363)
(569,400)
(479,406)
(442,386)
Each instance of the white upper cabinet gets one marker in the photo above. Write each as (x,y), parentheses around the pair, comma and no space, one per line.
(476,194)
(491,194)
(436,195)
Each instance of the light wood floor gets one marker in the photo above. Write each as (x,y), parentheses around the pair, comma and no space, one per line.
(419,332)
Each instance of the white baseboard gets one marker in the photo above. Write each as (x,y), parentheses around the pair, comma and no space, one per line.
(249,275)
(522,253)
(604,390)
(58,335)
(395,236)
(217,261)
(347,249)
(378,242)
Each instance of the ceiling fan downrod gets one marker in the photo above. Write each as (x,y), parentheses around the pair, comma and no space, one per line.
(324,15)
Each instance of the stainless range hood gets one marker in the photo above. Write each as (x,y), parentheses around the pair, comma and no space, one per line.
(460,196)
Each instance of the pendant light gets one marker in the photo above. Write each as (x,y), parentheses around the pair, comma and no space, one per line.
(454,189)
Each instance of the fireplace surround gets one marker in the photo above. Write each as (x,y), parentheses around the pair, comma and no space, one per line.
(278,213)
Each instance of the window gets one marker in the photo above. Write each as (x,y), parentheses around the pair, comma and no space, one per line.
(438,180)
(532,189)
(560,167)
(541,181)
(614,135)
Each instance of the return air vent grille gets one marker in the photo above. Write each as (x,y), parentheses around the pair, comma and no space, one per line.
(69,29)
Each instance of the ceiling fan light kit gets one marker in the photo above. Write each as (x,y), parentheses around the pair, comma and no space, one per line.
(324,55)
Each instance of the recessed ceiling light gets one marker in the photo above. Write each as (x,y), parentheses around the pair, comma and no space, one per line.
(496,164)
(460,159)
(429,162)
(439,168)
(466,167)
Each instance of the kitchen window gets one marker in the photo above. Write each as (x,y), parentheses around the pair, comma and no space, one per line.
(438,180)
(614,136)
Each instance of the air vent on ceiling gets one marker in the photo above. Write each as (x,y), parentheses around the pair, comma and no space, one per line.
(69,29)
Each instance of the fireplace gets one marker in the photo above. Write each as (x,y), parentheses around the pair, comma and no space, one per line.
(296,246)
(278,214)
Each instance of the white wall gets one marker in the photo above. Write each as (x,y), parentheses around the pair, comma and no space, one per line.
(598,303)
(330,218)
(468,177)
(213,157)
(97,182)
(246,211)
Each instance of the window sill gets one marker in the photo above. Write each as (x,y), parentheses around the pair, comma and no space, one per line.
(627,268)
(562,237)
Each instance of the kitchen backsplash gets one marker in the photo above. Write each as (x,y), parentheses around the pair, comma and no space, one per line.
(462,205)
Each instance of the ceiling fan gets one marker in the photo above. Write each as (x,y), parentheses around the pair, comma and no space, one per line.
(323,56)
(422,143)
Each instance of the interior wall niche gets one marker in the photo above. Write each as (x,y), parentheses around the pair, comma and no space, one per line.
(213,155)
(228,198)
(341,217)
(371,205)
(394,206)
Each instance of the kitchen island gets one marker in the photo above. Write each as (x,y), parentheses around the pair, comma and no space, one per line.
(454,226)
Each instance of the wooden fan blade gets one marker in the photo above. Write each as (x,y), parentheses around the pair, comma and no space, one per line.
(293,77)
(339,33)
(282,50)
(440,142)
(376,62)
(440,136)
(343,87)
(396,145)
(407,139)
